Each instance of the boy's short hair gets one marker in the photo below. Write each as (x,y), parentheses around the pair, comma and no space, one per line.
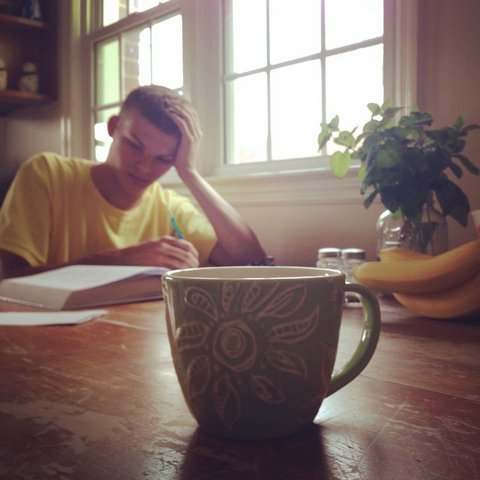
(149,101)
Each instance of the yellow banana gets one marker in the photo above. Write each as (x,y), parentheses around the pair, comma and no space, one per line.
(458,302)
(399,254)
(435,274)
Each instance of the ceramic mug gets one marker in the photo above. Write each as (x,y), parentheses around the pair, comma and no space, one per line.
(254,347)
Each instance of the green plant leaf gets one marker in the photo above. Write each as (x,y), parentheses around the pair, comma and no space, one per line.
(362,171)
(370,178)
(405,160)
(374,108)
(458,124)
(345,139)
(390,198)
(389,155)
(390,112)
(417,119)
(467,129)
(453,201)
(385,104)
(457,171)
(369,200)
(423,234)
(414,160)
(448,138)
(468,164)
(334,123)
(370,126)
(340,163)
(324,136)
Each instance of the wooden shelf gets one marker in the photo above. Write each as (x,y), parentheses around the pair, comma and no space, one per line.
(11,100)
(18,23)
(24,40)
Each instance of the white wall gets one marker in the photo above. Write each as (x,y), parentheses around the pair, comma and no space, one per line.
(448,83)
(449,79)
(30,131)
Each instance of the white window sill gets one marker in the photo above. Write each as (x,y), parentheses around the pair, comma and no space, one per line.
(301,187)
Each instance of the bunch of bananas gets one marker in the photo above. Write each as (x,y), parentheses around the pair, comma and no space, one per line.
(444,286)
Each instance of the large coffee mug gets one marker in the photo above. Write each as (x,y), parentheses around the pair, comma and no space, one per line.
(254,347)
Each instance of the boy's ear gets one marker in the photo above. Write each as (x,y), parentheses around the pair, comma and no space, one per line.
(112,124)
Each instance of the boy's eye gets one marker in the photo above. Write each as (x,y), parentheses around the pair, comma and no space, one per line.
(164,159)
(134,145)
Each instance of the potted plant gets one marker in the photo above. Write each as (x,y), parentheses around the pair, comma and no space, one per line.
(405,163)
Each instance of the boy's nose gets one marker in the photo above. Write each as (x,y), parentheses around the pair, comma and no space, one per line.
(144,163)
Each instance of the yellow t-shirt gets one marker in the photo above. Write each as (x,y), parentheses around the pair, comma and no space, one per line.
(54,214)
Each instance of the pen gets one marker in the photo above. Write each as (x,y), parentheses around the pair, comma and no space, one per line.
(175,226)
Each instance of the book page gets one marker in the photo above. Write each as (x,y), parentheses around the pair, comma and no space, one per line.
(36,319)
(80,277)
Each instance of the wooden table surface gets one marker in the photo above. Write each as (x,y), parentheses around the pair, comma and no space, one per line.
(101,401)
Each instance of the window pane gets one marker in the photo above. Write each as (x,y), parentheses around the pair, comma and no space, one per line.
(296,110)
(247,49)
(142,5)
(102,138)
(247,130)
(114,10)
(167,53)
(352,21)
(353,80)
(107,72)
(136,59)
(294,29)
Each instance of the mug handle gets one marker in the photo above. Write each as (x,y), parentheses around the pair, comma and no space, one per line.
(368,340)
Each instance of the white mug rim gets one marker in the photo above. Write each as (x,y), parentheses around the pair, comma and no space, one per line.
(252,273)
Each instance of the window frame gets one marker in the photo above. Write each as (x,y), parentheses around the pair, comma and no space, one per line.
(304,181)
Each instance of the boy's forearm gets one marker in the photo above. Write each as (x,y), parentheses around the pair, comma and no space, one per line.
(238,243)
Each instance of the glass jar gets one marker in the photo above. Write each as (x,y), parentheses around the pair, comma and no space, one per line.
(351,259)
(329,257)
(429,236)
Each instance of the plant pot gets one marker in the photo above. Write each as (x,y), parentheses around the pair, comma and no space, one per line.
(429,235)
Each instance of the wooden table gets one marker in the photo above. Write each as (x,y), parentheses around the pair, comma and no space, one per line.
(101,401)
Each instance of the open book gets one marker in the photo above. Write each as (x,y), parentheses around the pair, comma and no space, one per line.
(81,286)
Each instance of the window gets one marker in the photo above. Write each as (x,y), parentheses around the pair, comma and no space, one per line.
(262,73)
(146,51)
(291,64)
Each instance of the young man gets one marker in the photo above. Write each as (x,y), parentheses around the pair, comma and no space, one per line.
(62,211)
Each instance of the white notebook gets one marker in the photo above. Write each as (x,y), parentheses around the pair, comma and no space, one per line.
(83,286)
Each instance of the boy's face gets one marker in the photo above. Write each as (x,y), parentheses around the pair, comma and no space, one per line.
(140,152)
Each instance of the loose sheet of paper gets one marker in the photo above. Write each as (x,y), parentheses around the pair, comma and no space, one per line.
(36,319)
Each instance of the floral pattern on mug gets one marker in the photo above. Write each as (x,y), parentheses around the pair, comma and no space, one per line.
(246,332)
